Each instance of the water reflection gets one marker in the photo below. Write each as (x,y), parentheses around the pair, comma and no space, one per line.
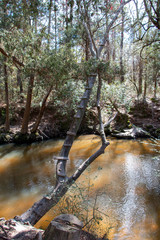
(139,208)
(125,180)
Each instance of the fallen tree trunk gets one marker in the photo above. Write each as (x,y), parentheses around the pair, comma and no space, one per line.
(133,133)
(40,208)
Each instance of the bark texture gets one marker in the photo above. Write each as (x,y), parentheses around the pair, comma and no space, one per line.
(64,227)
(24,129)
(38,210)
(121,48)
(35,127)
(7,122)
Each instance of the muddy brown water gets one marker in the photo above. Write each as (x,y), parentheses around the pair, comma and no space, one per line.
(121,188)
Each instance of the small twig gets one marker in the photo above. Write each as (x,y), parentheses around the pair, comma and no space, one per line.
(114,104)
(88,222)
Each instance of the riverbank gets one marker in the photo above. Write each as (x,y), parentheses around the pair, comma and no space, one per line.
(142,121)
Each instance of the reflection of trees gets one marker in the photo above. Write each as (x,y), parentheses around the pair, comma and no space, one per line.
(5,150)
(148,146)
(152,201)
(82,150)
(32,170)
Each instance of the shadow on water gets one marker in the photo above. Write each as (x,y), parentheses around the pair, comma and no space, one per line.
(125,180)
(27,167)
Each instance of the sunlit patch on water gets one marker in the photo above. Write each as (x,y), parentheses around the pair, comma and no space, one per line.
(134,212)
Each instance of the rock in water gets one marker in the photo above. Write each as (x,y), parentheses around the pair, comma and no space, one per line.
(13,229)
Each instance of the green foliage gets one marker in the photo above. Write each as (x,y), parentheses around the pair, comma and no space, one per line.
(94,65)
(70,36)
(67,97)
(119,94)
(24,35)
(2,115)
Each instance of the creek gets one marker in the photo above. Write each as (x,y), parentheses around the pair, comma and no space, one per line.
(122,186)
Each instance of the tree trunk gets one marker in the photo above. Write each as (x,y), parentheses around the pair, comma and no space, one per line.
(66,17)
(155,85)
(55,25)
(87,55)
(7,122)
(35,24)
(36,125)
(25,9)
(113,46)
(155,78)
(49,21)
(40,208)
(61,164)
(121,48)
(145,88)
(107,49)
(133,70)
(71,12)
(19,81)
(107,52)
(26,116)
(4,24)
(140,76)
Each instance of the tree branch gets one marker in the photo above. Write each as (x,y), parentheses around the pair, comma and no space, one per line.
(146,45)
(90,39)
(86,163)
(156,23)
(14,59)
(110,25)
(101,126)
(87,28)
(153,7)
(110,120)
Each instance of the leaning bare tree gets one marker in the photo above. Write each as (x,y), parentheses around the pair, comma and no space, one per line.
(63,182)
